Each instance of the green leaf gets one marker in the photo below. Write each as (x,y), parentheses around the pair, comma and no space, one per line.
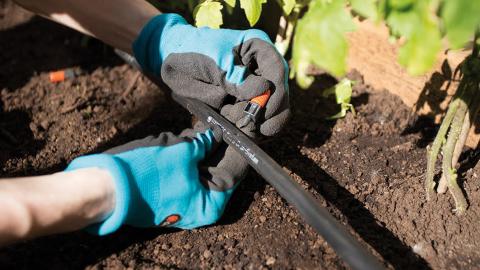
(461,19)
(344,108)
(402,23)
(419,53)
(401,4)
(342,91)
(381,9)
(365,8)
(417,23)
(253,9)
(208,13)
(320,39)
(231,3)
(287,6)
(343,96)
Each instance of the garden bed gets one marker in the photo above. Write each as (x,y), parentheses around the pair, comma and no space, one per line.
(368,170)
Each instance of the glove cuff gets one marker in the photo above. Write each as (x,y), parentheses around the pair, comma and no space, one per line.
(147,46)
(122,189)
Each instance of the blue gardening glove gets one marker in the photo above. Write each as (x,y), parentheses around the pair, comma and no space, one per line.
(177,181)
(210,64)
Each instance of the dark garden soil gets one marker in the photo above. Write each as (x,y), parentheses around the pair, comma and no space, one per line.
(366,169)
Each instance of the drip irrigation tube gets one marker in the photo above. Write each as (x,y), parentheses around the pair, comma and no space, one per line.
(335,233)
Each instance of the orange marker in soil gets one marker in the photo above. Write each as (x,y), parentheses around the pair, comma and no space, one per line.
(253,108)
(61,75)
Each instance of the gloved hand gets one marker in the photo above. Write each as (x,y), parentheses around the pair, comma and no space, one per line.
(180,181)
(209,65)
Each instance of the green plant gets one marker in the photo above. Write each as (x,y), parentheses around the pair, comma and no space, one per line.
(343,95)
(315,32)
(453,131)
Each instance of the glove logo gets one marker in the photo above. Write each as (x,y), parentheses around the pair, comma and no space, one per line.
(170,220)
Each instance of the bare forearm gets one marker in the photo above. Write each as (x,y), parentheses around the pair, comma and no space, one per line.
(116,22)
(61,202)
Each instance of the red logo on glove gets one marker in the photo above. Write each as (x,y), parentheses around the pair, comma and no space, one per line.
(170,220)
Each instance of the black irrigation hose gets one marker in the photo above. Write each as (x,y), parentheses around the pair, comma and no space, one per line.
(347,247)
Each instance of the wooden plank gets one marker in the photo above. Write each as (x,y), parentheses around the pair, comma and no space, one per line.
(375,57)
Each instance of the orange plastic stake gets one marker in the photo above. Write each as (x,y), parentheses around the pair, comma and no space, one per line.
(61,75)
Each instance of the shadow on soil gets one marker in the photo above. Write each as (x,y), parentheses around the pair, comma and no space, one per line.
(435,90)
(361,220)
(305,132)
(16,138)
(433,94)
(72,251)
(23,61)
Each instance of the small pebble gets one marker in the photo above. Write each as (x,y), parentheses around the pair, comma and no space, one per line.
(207,254)
(45,124)
(262,219)
(270,261)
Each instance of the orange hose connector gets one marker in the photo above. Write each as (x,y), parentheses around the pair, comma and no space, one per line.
(262,99)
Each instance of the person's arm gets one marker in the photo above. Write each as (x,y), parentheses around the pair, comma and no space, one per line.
(56,203)
(116,22)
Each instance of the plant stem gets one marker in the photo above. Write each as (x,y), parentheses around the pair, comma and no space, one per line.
(460,115)
(448,171)
(280,39)
(442,184)
(470,117)
(285,30)
(437,144)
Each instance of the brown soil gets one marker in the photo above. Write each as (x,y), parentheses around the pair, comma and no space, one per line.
(367,170)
